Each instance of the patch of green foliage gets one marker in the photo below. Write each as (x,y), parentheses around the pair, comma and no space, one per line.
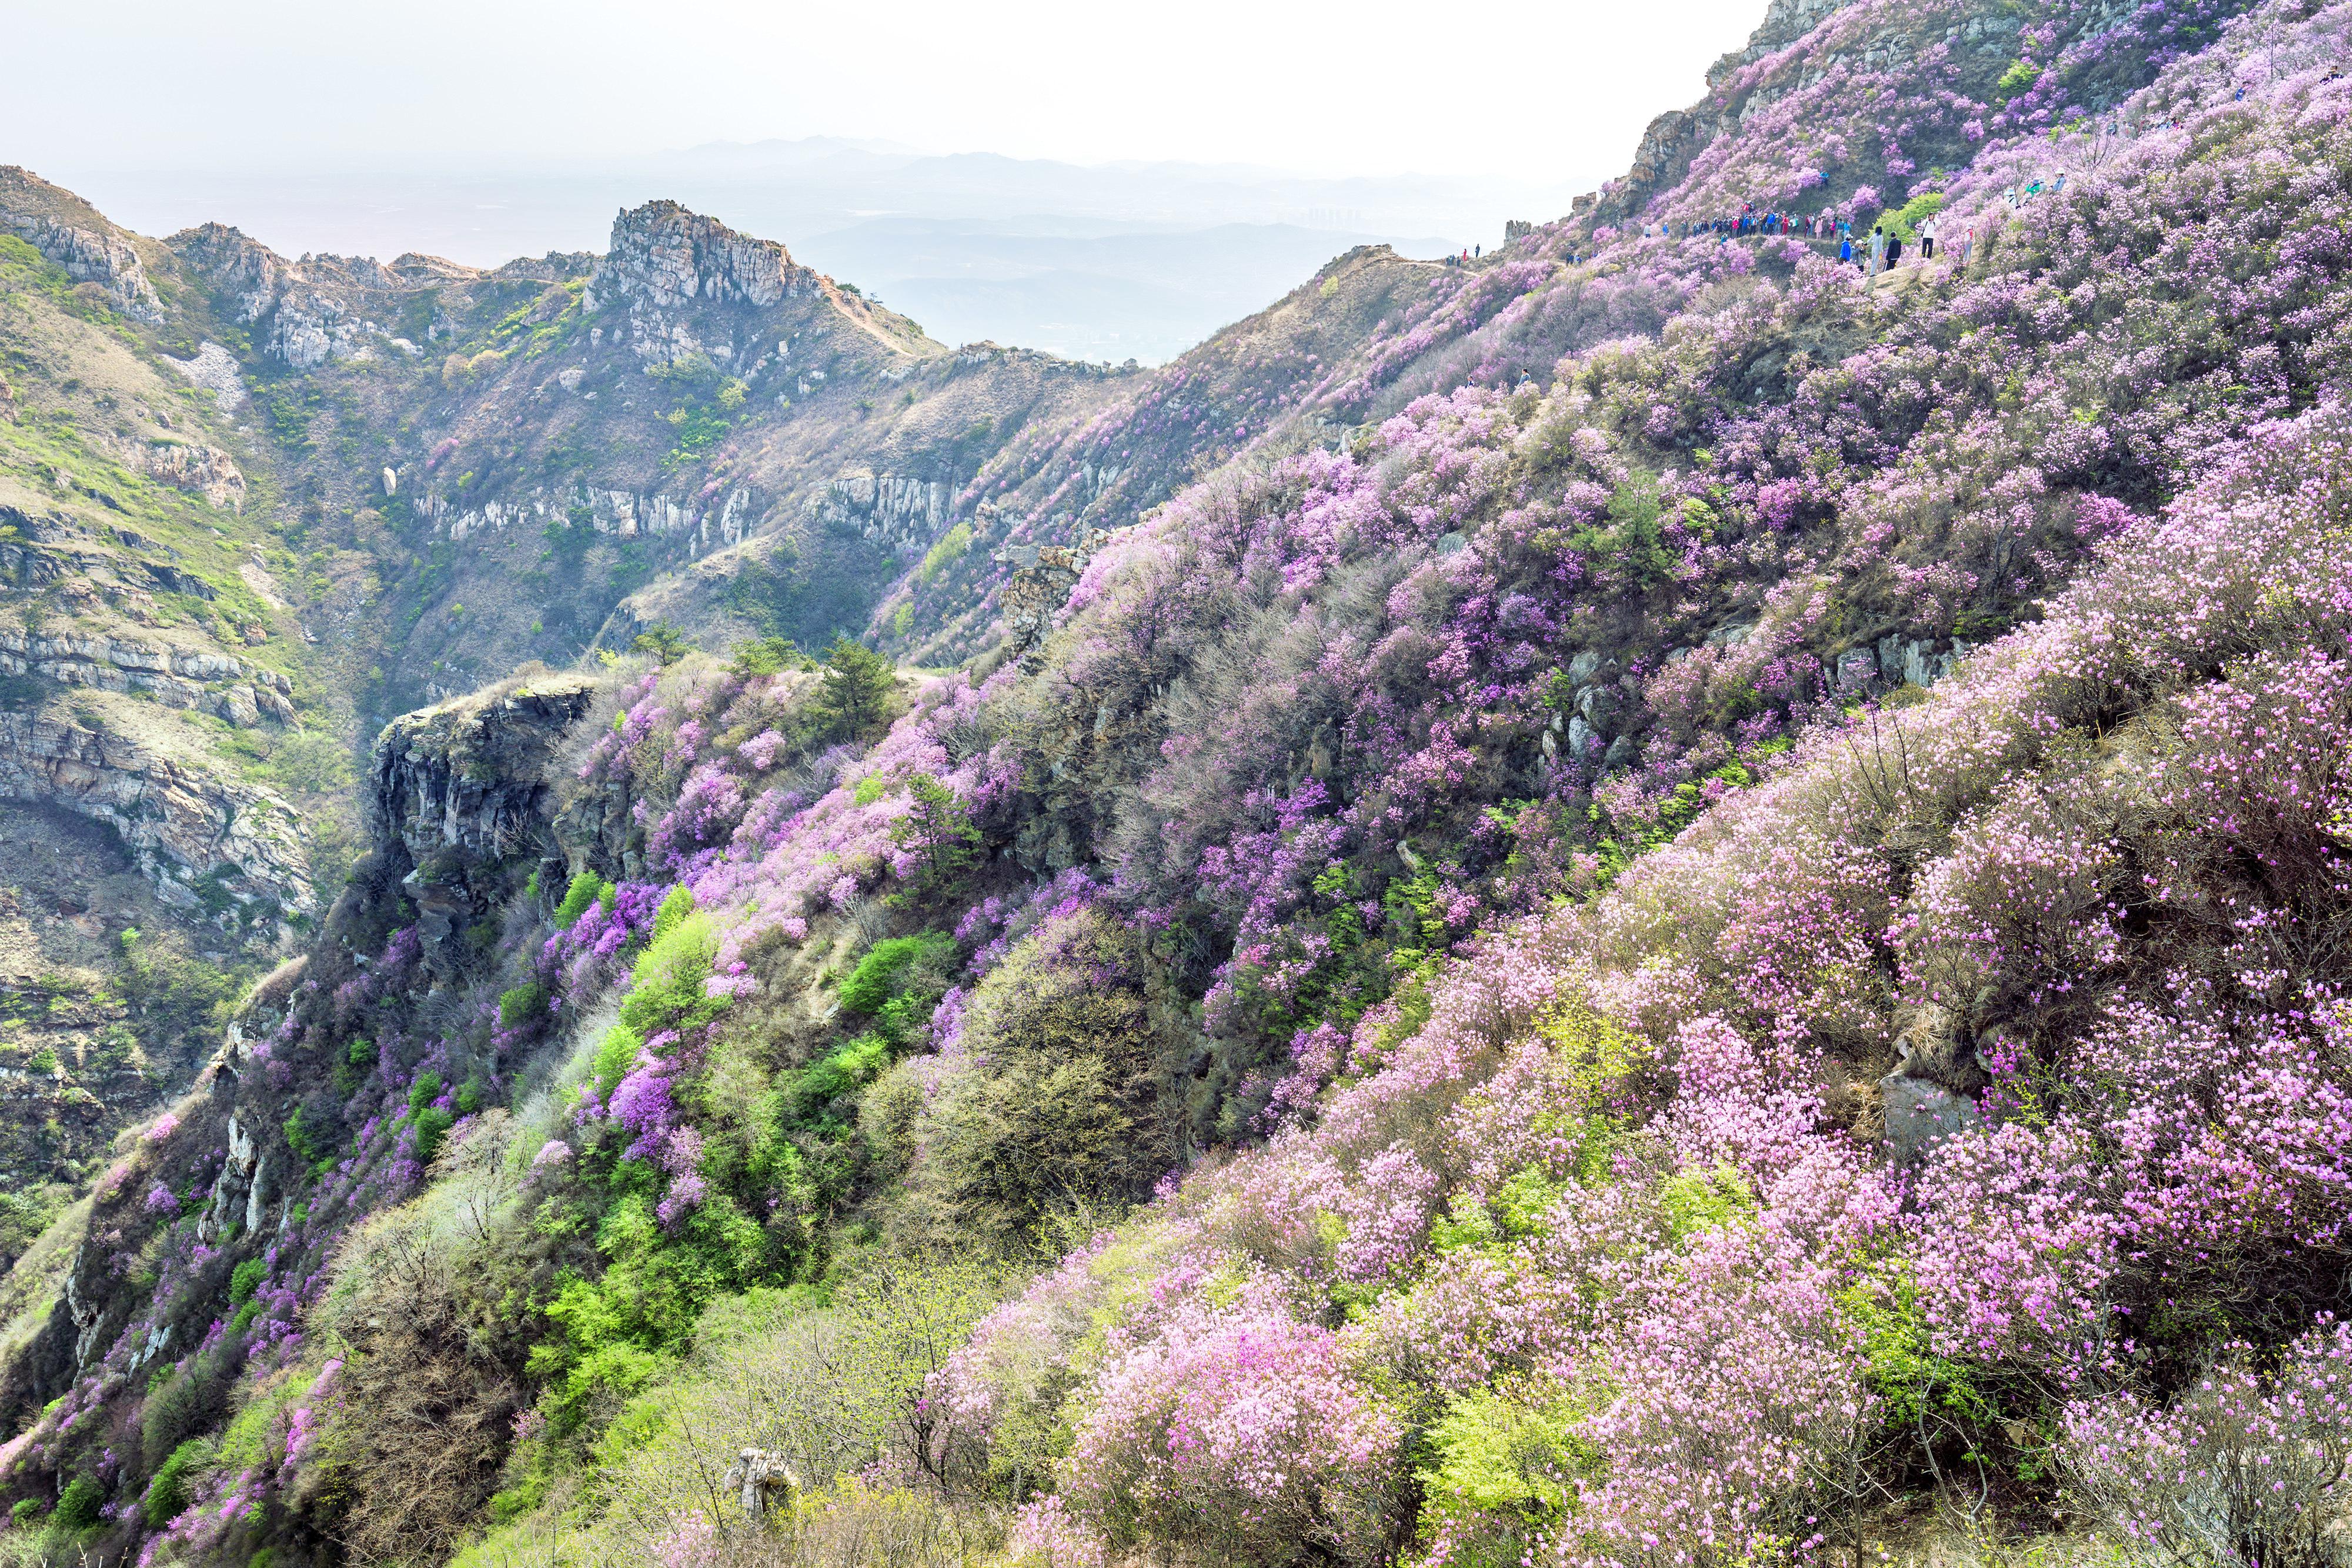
(892,983)
(947,550)
(78,1504)
(174,1487)
(763,656)
(939,833)
(857,693)
(586,888)
(526,1003)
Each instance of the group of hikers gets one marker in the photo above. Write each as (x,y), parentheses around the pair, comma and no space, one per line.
(1880,250)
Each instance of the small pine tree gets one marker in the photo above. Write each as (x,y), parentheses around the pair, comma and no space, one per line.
(764,656)
(940,830)
(664,642)
(858,685)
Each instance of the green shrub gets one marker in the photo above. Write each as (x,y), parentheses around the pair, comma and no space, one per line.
(423,1092)
(526,1003)
(187,1402)
(433,1126)
(616,1054)
(246,1278)
(950,550)
(25,1511)
(1503,1460)
(1072,1102)
(1904,223)
(78,1506)
(586,888)
(847,1070)
(666,987)
(675,907)
(763,656)
(169,1494)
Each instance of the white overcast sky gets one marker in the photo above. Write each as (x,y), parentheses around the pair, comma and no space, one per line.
(1535,90)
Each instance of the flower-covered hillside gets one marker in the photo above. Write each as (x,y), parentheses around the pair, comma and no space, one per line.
(1888,112)
(1659,937)
(1599,1259)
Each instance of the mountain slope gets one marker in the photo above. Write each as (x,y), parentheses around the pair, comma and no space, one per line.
(1651,923)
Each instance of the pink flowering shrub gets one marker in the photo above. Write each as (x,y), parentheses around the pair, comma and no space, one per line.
(1237,1434)
(2245,1466)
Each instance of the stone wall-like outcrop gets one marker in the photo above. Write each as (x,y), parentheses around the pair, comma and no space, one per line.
(669,267)
(460,798)
(191,832)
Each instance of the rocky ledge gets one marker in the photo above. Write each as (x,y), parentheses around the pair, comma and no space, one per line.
(206,842)
(460,802)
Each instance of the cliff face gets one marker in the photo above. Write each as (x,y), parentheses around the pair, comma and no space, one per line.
(207,842)
(460,798)
(71,233)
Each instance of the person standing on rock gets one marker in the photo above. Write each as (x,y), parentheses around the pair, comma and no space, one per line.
(1927,238)
(1877,251)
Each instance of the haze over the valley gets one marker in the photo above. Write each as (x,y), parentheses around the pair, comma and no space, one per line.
(1105,184)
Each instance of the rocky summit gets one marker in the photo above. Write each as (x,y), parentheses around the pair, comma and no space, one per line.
(1672,894)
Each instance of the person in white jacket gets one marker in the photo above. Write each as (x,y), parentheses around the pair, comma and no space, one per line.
(1928,237)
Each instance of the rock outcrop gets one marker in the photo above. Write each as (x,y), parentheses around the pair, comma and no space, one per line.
(205,841)
(667,260)
(460,803)
(323,308)
(894,509)
(177,677)
(70,233)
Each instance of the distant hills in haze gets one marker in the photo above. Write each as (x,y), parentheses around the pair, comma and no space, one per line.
(1106,262)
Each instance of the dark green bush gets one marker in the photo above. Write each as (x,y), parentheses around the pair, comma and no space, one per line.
(168,1495)
(246,1278)
(78,1506)
(187,1402)
(1074,1101)
(527,1003)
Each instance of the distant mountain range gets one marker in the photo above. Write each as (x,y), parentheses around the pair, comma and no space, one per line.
(1106,262)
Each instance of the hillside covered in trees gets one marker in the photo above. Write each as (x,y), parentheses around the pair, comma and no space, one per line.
(1659,901)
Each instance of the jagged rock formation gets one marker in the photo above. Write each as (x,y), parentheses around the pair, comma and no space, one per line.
(70,232)
(203,841)
(330,309)
(460,796)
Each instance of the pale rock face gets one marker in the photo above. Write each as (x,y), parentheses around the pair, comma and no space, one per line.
(707,520)
(894,509)
(180,822)
(172,676)
(214,369)
(314,310)
(187,465)
(89,252)
(665,258)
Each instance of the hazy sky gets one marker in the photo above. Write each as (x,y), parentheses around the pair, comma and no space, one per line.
(1524,89)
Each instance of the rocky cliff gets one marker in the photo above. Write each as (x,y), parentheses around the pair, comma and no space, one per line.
(460,798)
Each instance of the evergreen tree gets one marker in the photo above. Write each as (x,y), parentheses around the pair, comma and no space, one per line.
(858,685)
(664,642)
(940,830)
